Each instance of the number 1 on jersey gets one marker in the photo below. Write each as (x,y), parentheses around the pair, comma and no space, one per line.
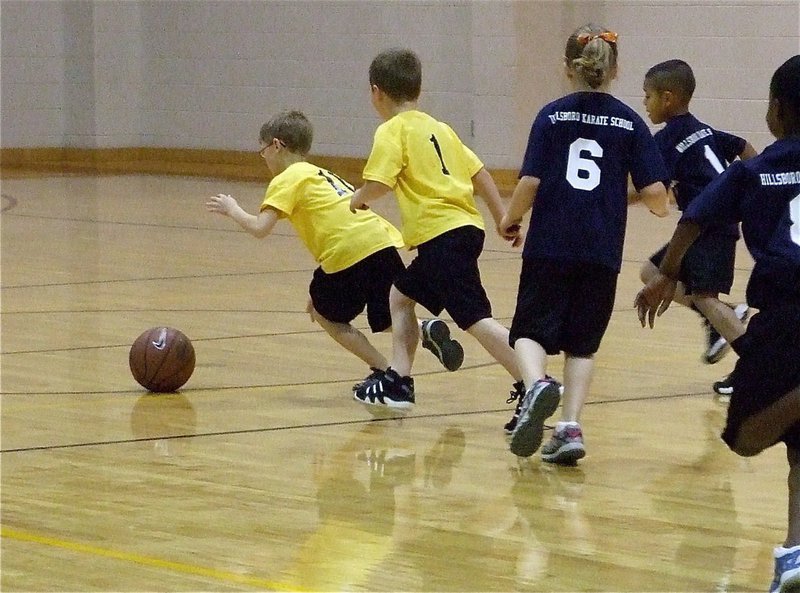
(435,143)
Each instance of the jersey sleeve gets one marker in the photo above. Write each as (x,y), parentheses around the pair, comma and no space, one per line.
(281,196)
(536,151)
(719,201)
(474,164)
(386,158)
(730,145)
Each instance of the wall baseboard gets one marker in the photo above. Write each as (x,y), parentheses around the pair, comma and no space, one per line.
(223,164)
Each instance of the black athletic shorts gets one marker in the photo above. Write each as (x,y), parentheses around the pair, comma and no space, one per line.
(767,369)
(340,297)
(564,306)
(707,266)
(445,275)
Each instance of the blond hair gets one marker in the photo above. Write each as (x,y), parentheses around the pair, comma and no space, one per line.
(592,52)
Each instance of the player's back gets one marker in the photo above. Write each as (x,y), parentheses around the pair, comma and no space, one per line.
(582,148)
(695,154)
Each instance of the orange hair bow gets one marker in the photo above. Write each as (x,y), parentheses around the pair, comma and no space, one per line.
(607,36)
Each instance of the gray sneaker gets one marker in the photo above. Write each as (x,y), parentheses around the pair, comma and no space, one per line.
(541,402)
(565,447)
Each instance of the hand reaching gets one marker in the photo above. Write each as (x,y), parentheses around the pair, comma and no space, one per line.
(654,299)
(221,204)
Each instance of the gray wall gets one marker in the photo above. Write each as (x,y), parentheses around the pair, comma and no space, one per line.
(207,73)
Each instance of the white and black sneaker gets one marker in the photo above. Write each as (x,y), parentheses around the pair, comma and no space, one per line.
(718,346)
(389,390)
(436,338)
(376,373)
(724,386)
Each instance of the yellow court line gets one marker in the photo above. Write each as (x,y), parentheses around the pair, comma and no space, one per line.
(219,575)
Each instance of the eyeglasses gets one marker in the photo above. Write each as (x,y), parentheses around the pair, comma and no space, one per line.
(271,143)
(607,36)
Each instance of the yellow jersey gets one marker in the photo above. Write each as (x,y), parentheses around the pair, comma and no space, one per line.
(430,170)
(317,204)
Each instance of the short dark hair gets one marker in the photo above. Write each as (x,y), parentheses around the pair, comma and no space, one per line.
(398,73)
(290,127)
(675,76)
(785,88)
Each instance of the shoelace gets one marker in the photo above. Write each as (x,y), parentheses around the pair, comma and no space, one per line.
(512,396)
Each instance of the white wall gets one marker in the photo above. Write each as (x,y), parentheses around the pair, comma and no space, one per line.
(207,73)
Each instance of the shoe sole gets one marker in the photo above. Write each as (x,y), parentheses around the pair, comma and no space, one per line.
(388,405)
(568,454)
(436,338)
(528,434)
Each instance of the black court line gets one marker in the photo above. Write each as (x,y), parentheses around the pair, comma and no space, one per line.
(319,425)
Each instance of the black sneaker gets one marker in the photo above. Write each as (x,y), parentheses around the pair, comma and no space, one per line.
(724,387)
(518,394)
(389,390)
(375,374)
(436,338)
(718,346)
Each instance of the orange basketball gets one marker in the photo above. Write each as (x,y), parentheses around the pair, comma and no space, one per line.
(162,359)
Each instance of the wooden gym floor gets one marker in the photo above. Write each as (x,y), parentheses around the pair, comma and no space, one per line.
(264,474)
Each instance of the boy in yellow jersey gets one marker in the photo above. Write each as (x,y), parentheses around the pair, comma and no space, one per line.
(433,176)
(357,255)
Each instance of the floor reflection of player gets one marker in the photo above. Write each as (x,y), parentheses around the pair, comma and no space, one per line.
(458,542)
(356,499)
(162,419)
(705,485)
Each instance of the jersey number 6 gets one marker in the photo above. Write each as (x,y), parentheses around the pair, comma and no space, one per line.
(583,173)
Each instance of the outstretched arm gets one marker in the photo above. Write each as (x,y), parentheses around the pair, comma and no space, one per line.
(658,293)
(486,188)
(654,196)
(521,201)
(259,226)
(371,190)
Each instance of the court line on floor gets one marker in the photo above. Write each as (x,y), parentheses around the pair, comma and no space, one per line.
(140,559)
(337,423)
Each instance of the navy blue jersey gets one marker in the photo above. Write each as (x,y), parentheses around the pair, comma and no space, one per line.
(763,193)
(582,148)
(695,155)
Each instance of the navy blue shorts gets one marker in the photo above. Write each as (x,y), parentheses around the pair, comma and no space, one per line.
(445,276)
(340,297)
(767,369)
(564,306)
(707,266)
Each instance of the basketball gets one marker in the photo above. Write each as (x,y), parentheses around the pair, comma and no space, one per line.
(161,359)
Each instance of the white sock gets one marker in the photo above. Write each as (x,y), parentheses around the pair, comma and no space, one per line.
(562,425)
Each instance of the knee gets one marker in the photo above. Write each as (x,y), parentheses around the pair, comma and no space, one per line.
(399,302)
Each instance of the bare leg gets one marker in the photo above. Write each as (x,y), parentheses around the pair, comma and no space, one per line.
(531,359)
(405,332)
(353,340)
(577,377)
(720,315)
(793,532)
(494,338)
(765,428)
